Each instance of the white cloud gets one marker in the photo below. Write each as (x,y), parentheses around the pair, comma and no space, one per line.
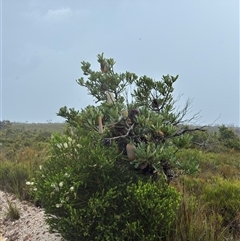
(58,14)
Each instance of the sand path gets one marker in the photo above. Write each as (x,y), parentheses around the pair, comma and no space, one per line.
(30,226)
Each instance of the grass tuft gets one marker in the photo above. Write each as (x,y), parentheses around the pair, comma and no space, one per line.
(13,212)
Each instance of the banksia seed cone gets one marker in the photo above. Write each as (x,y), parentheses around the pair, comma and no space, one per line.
(131,152)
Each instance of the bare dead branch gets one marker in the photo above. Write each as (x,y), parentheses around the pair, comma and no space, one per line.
(118,137)
(188,130)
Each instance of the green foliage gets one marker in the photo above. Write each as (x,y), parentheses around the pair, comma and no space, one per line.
(77,185)
(223,196)
(91,187)
(188,160)
(228,137)
(195,220)
(13,178)
(206,140)
(15,171)
(5,124)
(17,137)
(98,83)
(193,223)
(157,95)
(151,210)
(86,198)
(23,148)
(151,123)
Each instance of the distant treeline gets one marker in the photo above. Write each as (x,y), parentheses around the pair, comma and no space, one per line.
(52,127)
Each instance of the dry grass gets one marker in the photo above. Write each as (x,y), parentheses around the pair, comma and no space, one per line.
(13,212)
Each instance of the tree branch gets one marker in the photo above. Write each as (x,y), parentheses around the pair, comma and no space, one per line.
(118,137)
(188,130)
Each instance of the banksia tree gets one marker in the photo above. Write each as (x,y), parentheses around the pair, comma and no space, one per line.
(107,176)
(149,130)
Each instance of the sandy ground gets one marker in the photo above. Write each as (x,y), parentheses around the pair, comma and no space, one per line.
(30,226)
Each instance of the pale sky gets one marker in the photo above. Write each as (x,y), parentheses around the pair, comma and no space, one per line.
(43,43)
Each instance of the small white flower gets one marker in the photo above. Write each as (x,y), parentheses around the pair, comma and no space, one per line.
(28,183)
(40,167)
(58,205)
(71,188)
(78,145)
(53,185)
(59,145)
(66,175)
(65,145)
(31,183)
(69,139)
(60,184)
(35,189)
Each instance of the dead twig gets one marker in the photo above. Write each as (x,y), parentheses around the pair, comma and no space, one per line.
(118,137)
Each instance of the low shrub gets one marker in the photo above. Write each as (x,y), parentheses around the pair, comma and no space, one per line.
(222,196)
(13,178)
(15,172)
(87,195)
(228,137)
(151,210)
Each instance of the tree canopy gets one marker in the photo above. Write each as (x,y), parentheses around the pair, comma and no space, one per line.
(149,130)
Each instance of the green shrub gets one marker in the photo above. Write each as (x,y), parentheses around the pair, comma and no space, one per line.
(228,137)
(223,196)
(188,161)
(193,185)
(151,209)
(94,187)
(86,196)
(194,223)
(77,184)
(15,172)
(13,178)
